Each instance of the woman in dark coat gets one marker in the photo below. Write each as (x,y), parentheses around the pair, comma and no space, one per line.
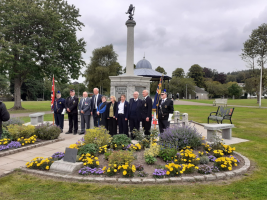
(111,111)
(101,113)
(122,115)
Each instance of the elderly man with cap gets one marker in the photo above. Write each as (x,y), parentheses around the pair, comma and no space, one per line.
(59,105)
(71,107)
(165,107)
(85,109)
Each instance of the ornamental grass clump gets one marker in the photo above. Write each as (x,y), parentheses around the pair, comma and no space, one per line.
(226,163)
(174,169)
(40,163)
(88,171)
(204,160)
(159,173)
(121,157)
(179,137)
(97,135)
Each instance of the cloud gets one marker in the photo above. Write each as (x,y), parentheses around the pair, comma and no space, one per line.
(174,33)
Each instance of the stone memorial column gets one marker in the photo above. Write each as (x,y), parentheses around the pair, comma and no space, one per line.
(130,47)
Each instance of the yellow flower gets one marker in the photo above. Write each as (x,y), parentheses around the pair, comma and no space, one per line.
(22,144)
(168,173)
(108,170)
(124,172)
(196,167)
(97,162)
(96,158)
(47,167)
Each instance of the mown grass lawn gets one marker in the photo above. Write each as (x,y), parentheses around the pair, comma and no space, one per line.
(240,102)
(250,124)
(30,106)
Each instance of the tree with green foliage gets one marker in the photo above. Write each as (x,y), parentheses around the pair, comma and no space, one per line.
(178,72)
(3,85)
(249,85)
(38,39)
(103,64)
(161,70)
(235,90)
(196,73)
(179,85)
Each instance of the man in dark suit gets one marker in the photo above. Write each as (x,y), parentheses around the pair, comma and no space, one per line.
(95,101)
(59,105)
(165,107)
(71,107)
(4,116)
(146,112)
(85,109)
(122,115)
(134,113)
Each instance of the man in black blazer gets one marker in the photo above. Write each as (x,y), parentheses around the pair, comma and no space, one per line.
(134,113)
(146,112)
(165,107)
(71,104)
(95,101)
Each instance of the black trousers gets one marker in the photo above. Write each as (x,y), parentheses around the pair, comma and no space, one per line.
(163,124)
(112,126)
(123,124)
(134,124)
(147,126)
(95,117)
(73,120)
(59,119)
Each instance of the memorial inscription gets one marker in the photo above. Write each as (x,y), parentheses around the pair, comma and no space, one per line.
(70,155)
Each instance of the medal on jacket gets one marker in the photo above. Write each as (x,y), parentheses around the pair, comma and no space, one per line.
(125,106)
(145,104)
(73,102)
(165,106)
(59,102)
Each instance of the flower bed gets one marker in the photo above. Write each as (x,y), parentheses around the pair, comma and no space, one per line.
(113,160)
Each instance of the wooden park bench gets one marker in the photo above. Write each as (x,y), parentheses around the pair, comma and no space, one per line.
(221,114)
(220,101)
(37,118)
(212,129)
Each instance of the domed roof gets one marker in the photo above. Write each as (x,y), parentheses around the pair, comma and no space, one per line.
(143,64)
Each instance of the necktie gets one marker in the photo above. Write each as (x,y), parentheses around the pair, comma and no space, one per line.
(95,102)
(162,101)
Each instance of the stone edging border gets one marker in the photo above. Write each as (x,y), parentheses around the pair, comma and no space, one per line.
(200,178)
(5,153)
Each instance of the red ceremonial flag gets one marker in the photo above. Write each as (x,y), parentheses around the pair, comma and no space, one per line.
(53,94)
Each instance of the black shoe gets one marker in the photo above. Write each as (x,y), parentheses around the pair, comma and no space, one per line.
(75,133)
(68,132)
(82,133)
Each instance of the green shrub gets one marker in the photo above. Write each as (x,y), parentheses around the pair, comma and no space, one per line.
(47,131)
(5,134)
(97,135)
(167,154)
(119,141)
(204,160)
(18,131)
(13,121)
(121,157)
(150,160)
(152,151)
(88,148)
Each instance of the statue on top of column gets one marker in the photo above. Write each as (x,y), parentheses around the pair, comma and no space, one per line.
(130,11)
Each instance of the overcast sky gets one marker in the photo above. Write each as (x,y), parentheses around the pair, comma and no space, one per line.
(174,33)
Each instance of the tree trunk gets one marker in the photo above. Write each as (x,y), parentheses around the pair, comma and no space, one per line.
(17,94)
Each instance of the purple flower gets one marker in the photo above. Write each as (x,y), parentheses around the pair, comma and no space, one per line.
(58,155)
(11,145)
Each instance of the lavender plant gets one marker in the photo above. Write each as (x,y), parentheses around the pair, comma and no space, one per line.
(13,120)
(11,145)
(88,171)
(47,131)
(159,173)
(179,137)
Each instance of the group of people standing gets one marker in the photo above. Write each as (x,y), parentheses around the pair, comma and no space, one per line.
(112,114)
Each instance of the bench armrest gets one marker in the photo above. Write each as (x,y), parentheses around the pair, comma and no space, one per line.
(213,112)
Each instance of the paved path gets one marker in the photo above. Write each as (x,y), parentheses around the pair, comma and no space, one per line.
(17,160)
